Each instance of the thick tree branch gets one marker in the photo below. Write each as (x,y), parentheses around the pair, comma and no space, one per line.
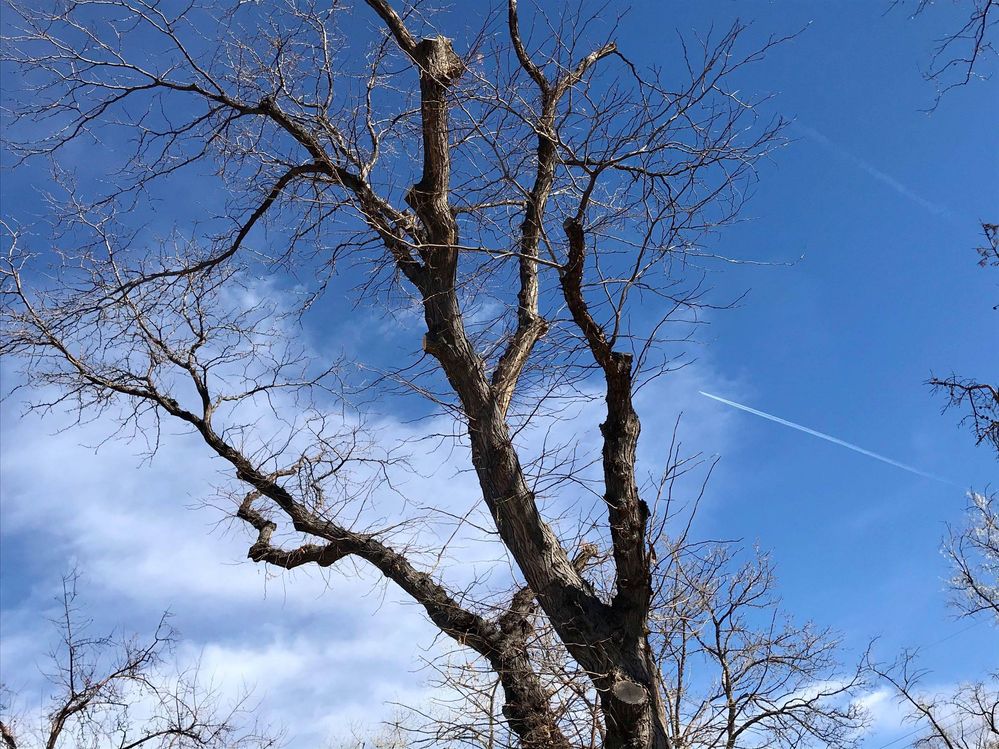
(627,512)
(513,24)
(8,736)
(395,24)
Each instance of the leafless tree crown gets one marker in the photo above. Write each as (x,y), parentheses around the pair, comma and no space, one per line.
(113,691)
(979,400)
(963,54)
(538,197)
(968,717)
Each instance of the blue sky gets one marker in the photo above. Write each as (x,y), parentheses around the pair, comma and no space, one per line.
(870,216)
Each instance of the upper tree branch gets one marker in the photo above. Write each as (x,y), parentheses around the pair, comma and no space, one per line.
(395,24)
(540,554)
(275,192)
(530,325)
(513,23)
(627,513)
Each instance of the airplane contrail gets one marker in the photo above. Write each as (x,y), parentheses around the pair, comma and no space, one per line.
(882,177)
(828,438)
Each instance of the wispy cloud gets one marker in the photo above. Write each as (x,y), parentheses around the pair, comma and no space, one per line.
(828,438)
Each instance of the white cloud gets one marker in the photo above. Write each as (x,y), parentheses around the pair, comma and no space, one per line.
(323,654)
(884,711)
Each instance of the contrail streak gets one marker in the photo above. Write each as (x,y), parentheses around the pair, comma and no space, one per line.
(828,438)
(880,176)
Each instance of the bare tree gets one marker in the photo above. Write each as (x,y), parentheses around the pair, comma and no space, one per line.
(735,671)
(967,718)
(974,554)
(959,55)
(980,400)
(989,252)
(974,549)
(550,239)
(111,691)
